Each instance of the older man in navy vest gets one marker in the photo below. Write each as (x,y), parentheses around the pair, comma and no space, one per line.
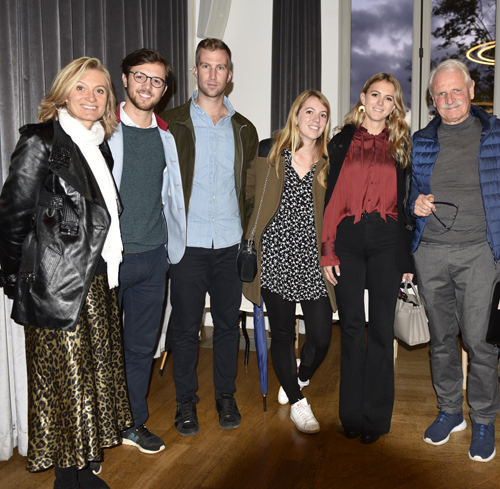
(456,178)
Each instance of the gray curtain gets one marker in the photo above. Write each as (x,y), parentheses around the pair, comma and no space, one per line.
(296,56)
(37,38)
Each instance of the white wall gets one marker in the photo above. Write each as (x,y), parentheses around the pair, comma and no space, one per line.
(330,59)
(249,36)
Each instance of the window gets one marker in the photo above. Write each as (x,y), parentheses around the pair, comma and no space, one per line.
(381,41)
(409,37)
(466,30)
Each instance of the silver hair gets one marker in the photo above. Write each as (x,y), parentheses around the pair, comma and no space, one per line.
(450,65)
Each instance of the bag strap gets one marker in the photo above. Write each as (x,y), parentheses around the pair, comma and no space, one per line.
(252,234)
(405,288)
(408,281)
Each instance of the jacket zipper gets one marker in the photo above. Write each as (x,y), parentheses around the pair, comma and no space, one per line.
(242,158)
(194,170)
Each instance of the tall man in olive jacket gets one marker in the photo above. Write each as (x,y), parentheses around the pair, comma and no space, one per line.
(217,147)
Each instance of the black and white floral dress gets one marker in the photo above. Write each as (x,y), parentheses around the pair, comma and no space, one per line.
(290,263)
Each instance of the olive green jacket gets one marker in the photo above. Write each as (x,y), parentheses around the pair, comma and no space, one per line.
(270,205)
(246,143)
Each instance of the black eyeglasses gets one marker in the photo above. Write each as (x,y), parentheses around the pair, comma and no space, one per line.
(142,78)
(455,212)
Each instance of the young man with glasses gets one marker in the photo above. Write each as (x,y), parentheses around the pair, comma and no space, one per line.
(217,146)
(455,194)
(146,171)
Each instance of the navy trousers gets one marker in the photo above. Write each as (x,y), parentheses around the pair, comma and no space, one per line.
(141,295)
(203,270)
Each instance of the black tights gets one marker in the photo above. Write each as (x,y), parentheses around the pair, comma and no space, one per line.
(318,319)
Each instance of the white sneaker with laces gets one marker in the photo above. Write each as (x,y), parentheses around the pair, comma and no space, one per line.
(302,416)
(282,397)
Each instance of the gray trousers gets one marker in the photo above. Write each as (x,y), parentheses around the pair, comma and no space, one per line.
(456,284)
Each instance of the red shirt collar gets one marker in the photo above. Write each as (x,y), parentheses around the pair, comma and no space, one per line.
(161,123)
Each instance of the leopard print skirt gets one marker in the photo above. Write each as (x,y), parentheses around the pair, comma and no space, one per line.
(77,390)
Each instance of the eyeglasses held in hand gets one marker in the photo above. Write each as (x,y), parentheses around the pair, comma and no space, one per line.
(453,218)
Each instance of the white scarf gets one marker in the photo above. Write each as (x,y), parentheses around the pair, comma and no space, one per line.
(88,141)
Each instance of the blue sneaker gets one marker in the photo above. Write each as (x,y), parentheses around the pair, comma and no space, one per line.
(482,447)
(439,432)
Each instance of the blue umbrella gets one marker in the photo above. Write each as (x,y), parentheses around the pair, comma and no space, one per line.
(261,347)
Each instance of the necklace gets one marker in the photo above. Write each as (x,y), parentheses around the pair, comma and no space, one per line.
(307,160)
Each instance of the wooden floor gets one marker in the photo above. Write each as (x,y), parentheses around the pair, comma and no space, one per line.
(266,451)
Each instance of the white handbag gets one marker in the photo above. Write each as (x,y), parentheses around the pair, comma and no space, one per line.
(410,321)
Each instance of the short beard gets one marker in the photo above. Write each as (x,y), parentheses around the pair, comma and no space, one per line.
(136,102)
(210,95)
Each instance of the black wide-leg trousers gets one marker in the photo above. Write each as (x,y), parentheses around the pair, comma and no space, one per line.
(367,254)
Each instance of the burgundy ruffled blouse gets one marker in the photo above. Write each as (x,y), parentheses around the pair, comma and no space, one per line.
(366,183)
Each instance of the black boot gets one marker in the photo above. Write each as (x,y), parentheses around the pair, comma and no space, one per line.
(88,479)
(66,478)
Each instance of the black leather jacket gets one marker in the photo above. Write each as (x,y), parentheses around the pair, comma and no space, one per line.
(53,224)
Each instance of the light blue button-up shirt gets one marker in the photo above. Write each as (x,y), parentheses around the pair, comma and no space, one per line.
(214,216)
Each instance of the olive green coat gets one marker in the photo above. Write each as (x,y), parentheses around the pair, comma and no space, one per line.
(246,143)
(270,205)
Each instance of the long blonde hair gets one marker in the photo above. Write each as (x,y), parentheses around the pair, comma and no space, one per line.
(289,136)
(399,135)
(64,82)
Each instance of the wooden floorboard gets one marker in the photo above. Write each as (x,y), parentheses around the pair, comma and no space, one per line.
(266,451)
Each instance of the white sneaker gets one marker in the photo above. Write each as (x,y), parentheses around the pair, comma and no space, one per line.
(303,417)
(282,397)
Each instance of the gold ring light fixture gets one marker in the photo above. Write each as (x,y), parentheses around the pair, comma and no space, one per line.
(478,54)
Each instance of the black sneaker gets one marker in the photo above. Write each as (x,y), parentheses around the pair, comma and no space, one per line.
(186,420)
(229,416)
(143,439)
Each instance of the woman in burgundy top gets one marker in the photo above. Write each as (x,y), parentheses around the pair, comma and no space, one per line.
(366,244)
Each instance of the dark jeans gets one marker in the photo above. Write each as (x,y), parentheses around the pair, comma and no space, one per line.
(203,270)
(318,319)
(141,295)
(367,254)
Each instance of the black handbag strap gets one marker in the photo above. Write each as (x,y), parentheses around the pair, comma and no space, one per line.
(251,239)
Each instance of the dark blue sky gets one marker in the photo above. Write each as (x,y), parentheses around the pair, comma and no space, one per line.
(382,40)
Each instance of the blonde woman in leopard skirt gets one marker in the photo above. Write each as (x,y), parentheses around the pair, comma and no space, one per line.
(60,249)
